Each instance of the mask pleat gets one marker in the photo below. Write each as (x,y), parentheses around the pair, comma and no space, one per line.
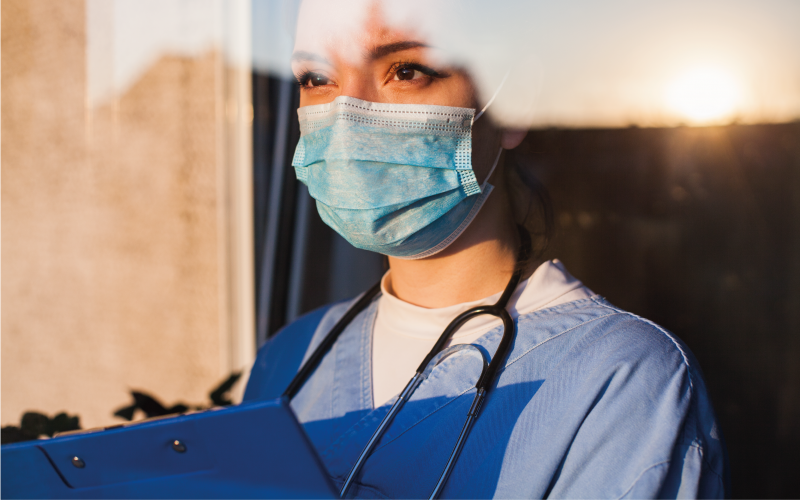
(391,178)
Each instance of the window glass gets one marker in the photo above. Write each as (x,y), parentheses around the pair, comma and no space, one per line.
(127,249)
(665,134)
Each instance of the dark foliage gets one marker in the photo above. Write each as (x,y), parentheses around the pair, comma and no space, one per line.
(152,407)
(219,396)
(33,425)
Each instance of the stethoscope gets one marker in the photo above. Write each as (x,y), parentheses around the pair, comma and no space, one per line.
(487,377)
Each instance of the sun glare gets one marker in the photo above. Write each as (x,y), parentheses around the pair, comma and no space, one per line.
(704,96)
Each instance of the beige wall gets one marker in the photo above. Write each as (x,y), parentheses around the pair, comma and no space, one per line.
(116,262)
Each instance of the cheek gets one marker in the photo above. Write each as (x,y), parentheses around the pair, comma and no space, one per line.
(317,96)
(466,94)
(305,101)
(456,91)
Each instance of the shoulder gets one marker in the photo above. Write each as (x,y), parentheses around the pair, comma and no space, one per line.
(595,331)
(621,354)
(282,355)
(619,363)
(632,379)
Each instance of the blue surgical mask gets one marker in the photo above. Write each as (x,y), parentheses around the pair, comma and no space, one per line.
(391,178)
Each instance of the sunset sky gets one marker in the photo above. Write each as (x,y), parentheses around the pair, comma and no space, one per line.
(580,62)
(621,62)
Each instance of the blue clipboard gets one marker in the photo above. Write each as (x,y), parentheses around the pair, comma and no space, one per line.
(254,450)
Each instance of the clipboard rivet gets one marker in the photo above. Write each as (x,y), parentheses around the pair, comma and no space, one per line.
(78,462)
(178,446)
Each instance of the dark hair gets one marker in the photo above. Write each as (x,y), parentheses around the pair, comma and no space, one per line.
(530,202)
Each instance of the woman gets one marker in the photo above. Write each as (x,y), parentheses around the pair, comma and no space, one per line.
(587,400)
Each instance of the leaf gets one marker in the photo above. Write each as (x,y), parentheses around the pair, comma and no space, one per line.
(63,423)
(13,434)
(127,412)
(218,395)
(148,404)
(178,408)
(34,424)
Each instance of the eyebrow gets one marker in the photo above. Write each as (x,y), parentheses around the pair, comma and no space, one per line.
(372,54)
(390,48)
(302,55)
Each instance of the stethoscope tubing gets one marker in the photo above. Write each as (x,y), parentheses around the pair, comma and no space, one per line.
(482,386)
(385,422)
(458,322)
(480,395)
(322,349)
(487,377)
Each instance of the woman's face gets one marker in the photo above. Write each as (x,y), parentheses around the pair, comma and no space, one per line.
(347,49)
(360,56)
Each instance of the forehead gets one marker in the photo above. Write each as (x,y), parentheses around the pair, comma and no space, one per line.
(347,29)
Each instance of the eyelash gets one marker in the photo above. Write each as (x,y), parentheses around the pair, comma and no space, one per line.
(303,78)
(425,70)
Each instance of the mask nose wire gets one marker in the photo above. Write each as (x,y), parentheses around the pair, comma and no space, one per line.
(493,97)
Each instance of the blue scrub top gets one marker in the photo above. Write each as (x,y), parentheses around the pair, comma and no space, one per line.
(592,401)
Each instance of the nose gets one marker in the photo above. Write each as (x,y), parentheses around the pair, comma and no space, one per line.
(360,83)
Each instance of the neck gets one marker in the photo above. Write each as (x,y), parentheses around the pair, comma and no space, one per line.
(477,265)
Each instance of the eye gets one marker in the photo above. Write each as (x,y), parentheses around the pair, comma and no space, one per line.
(315,80)
(311,79)
(407,73)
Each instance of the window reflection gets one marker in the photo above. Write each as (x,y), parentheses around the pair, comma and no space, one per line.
(126,199)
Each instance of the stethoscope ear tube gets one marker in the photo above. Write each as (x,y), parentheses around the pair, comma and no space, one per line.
(404,396)
(373,440)
(509,330)
(487,377)
(322,349)
(462,437)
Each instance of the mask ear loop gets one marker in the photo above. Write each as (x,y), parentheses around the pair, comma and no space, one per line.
(493,98)
(491,170)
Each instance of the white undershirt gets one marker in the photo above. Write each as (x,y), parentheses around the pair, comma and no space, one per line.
(404,333)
